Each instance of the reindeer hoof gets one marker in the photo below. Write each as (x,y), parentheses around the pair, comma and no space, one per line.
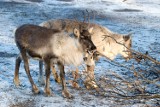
(35,89)
(66,94)
(58,80)
(16,82)
(91,85)
(75,84)
(48,92)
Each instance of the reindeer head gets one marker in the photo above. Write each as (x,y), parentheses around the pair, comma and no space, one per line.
(127,44)
(83,32)
(84,37)
(118,44)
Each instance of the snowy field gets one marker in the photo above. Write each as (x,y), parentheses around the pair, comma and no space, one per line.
(142,17)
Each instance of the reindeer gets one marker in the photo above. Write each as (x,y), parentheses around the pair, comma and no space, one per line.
(109,44)
(50,46)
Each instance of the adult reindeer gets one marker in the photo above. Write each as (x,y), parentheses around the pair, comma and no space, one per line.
(51,46)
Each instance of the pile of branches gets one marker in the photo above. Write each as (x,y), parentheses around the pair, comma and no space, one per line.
(141,84)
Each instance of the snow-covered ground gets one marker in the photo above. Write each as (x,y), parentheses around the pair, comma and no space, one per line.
(142,17)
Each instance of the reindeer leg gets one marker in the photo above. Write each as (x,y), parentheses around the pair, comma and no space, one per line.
(65,92)
(47,71)
(26,66)
(75,76)
(16,73)
(41,77)
(89,82)
(55,75)
(90,70)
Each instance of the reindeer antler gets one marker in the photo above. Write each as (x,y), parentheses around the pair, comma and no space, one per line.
(75,18)
(84,16)
(93,13)
(88,15)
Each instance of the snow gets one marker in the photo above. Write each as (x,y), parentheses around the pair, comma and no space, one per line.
(142,17)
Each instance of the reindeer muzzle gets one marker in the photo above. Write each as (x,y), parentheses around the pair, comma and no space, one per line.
(128,58)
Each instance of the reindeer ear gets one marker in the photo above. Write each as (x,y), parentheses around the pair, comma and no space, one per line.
(127,37)
(76,32)
(90,30)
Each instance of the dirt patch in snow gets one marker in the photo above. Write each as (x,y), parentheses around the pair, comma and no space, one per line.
(11,3)
(66,0)
(5,54)
(35,1)
(27,103)
(127,10)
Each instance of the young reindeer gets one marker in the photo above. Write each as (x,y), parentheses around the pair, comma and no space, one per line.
(50,45)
